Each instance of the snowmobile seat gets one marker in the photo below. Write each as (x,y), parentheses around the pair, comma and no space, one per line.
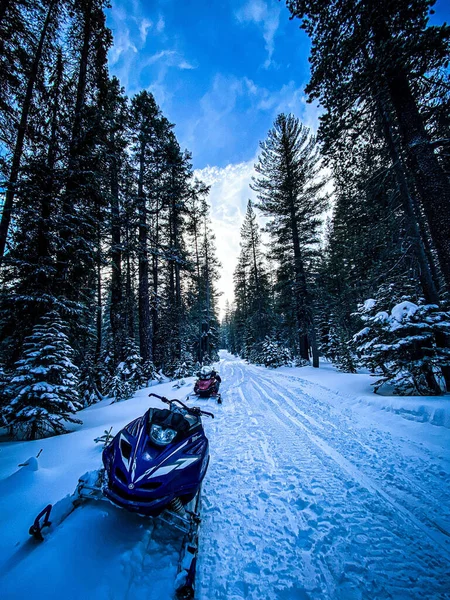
(170,419)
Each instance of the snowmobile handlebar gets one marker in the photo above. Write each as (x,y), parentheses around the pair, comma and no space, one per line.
(192,410)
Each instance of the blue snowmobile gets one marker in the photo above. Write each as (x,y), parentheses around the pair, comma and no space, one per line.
(154,467)
(158,461)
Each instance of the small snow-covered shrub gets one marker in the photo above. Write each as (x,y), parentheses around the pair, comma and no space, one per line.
(398,344)
(105,438)
(44,389)
(301,362)
(149,371)
(207,360)
(254,354)
(341,354)
(182,367)
(334,345)
(88,376)
(273,354)
(129,375)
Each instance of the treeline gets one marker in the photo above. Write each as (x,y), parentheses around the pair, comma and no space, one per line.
(375,292)
(108,263)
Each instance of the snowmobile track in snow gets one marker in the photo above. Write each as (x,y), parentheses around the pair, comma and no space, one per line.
(353,471)
(315,521)
(397,483)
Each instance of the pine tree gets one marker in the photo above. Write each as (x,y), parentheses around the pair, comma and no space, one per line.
(371,57)
(116,117)
(291,193)
(146,123)
(259,321)
(47,22)
(253,317)
(272,354)
(44,387)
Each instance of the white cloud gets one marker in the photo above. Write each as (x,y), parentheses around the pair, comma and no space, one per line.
(169,58)
(258,12)
(186,65)
(144,26)
(159,55)
(228,197)
(290,99)
(213,125)
(122,45)
(160,25)
(131,29)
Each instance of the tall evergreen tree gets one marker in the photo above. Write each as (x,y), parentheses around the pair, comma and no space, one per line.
(369,56)
(290,191)
(116,115)
(252,318)
(47,19)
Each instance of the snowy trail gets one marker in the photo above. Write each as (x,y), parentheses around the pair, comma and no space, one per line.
(302,501)
(306,498)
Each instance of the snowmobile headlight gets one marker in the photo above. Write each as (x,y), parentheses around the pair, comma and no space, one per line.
(161,435)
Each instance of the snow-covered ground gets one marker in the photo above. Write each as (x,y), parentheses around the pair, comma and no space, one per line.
(317,489)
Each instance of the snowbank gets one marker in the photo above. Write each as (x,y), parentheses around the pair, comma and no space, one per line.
(357,389)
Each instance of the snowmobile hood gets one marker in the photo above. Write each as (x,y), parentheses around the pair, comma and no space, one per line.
(141,472)
(204,384)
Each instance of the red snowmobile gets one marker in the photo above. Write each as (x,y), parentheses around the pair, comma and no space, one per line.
(207,384)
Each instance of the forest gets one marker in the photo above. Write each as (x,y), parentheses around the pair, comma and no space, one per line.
(370,289)
(108,266)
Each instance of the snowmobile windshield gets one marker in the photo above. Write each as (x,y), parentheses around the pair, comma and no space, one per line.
(166,420)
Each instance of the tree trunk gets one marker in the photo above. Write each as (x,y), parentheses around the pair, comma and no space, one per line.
(81,89)
(116,261)
(21,132)
(207,290)
(257,285)
(314,348)
(129,312)
(155,282)
(428,285)
(175,282)
(43,248)
(145,343)
(68,241)
(432,182)
(98,344)
(197,270)
(300,291)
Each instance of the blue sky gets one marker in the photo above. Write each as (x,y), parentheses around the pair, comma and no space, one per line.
(221,70)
